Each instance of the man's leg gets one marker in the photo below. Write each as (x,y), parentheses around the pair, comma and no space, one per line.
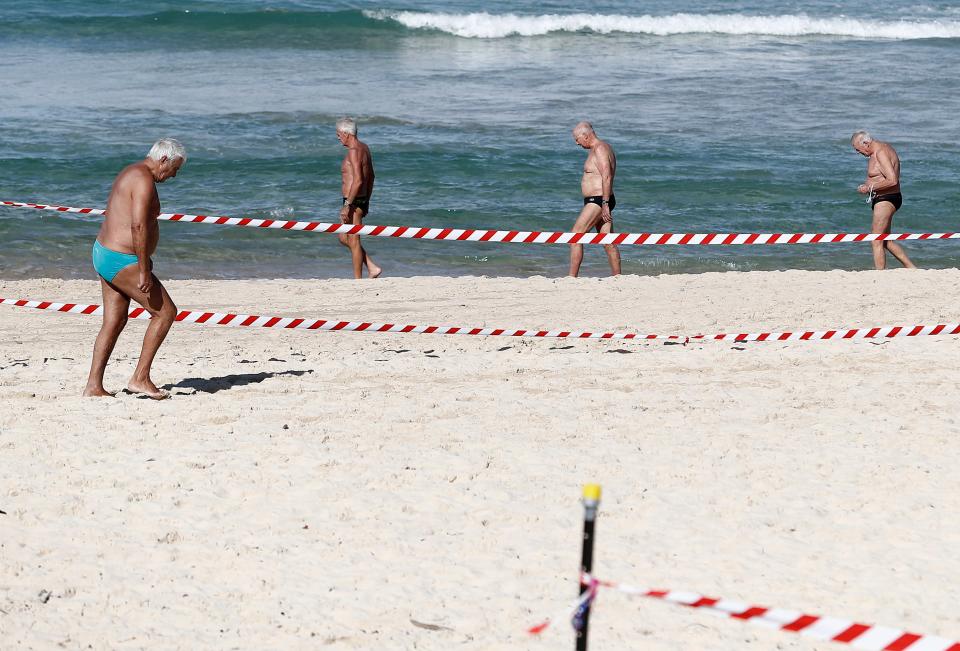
(115,306)
(900,255)
(585,222)
(161,307)
(352,242)
(882,220)
(373,269)
(345,241)
(894,247)
(613,253)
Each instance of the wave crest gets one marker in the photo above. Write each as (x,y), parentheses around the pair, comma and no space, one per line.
(485,25)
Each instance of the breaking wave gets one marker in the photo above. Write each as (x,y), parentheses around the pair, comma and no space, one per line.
(485,25)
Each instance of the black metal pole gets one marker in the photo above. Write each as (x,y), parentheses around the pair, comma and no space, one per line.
(591,502)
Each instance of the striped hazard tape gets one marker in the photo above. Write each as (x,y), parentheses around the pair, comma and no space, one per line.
(299,323)
(860,636)
(522,237)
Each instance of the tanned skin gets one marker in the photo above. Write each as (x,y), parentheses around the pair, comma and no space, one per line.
(357,176)
(883,177)
(599,170)
(131,227)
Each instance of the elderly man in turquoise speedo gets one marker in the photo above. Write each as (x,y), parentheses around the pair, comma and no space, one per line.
(121,257)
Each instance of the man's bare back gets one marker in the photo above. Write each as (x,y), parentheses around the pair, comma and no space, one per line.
(133,182)
(357,171)
(883,169)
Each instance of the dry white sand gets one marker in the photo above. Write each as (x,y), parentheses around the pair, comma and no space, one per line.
(337,490)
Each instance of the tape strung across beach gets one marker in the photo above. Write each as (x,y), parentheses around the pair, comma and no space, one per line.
(859,636)
(519,237)
(299,323)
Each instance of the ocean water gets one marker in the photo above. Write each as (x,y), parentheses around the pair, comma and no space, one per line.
(726,116)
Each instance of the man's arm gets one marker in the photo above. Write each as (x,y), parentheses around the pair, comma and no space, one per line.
(356,182)
(140,228)
(890,177)
(605,169)
(356,176)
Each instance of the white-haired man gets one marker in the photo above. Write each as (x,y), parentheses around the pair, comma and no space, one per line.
(356,174)
(598,200)
(883,187)
(121,257)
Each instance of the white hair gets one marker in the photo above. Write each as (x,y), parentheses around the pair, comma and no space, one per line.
(861,138)
(583,128)
(347,126)
(169,148)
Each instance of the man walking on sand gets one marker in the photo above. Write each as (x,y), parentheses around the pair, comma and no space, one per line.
(121,257)
(356,172)
(883,187)
(598,200)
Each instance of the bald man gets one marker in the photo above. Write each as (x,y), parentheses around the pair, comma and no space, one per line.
(598,200)
(883,187)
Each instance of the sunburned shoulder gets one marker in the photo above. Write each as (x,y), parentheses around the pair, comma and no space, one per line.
(604,147)
(887,153)
(135,174)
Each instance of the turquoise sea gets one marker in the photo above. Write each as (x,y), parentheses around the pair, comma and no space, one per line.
(726,116)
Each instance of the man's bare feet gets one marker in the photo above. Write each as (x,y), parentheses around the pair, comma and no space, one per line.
(98,392)
(147,388)
(373,271)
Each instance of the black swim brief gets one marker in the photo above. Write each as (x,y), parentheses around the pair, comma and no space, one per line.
(363,203)
(599,201)
(896,199)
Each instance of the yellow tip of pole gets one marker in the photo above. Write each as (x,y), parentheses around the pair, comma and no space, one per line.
(591,492)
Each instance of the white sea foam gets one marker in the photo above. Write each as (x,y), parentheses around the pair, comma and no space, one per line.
(485,25)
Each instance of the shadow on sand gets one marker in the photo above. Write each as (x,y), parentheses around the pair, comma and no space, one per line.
(215,384)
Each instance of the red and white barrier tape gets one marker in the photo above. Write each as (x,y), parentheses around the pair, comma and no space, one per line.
(860,636)
(570,612)
(295,323)
(522,237)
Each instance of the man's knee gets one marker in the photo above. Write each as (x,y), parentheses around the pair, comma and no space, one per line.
(167,312)
(115,325)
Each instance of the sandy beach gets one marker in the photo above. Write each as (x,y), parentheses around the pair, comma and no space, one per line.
(374,491)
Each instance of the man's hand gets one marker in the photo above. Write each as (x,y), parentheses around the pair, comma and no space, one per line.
(863,188)
(605,215)
(146,282)
(345,214)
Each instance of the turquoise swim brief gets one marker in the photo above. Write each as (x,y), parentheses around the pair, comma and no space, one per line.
(108,263)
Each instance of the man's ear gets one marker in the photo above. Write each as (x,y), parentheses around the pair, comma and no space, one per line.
(163,160)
